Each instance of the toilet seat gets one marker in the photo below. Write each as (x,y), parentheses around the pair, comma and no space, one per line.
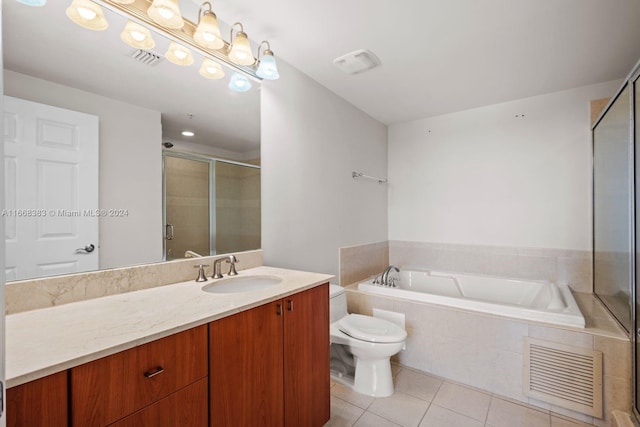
(371,329)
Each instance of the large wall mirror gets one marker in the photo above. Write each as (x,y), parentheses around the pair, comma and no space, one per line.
(93,143)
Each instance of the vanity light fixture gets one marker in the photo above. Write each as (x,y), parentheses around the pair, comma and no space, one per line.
(267,67)
(137,36)
(87,14)
(208,31)
(166,13)
(239,83)
(179,54)
(211,69)
(162,17)
(187,133)
(33,2)
(240,50)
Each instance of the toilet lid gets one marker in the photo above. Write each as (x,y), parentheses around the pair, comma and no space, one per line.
(372,329)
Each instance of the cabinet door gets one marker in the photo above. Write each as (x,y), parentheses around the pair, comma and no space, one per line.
(108,389)
(245,370)
(41,402)
(306,358)
(184,408)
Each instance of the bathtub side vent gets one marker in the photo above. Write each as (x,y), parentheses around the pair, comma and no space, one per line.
(565,376)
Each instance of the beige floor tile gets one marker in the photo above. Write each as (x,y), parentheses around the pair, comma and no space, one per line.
(418,385)
(507,414)
(372,420)
(343,414)
(347,394)
(438,416)
(562,422)
(463,400)
(400,408)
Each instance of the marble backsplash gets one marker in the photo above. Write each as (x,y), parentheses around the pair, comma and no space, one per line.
(46,292)
(560,266)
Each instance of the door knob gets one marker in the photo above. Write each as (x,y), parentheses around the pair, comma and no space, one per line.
(87,249)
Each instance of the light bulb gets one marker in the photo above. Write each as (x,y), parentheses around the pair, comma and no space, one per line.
(87,14)
(137,36)
(166,13)
(211,69)
(239,83)
(179,54)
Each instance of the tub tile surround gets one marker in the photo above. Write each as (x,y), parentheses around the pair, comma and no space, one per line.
(362,261)
(486,352)
(570,267)
(46,292)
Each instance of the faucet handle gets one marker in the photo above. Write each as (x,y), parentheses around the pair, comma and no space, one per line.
(202,277)
(232,268)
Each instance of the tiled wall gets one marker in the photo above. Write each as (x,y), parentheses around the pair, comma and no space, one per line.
(47,292)
(361,261)
(487,352)
(560,266)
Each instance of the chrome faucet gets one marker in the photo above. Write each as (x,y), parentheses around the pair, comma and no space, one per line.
(384,280)
(217,266)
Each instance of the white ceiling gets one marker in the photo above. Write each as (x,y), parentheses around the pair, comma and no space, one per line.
(441,56)
(437,56)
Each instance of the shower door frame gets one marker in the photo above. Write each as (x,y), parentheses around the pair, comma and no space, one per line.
(212,160)
(632,81)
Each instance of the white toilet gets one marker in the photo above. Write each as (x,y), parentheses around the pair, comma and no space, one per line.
(361,347)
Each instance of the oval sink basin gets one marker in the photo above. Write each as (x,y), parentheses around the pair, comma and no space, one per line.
(234,285)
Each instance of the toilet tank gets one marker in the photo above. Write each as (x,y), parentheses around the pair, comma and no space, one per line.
(337,303)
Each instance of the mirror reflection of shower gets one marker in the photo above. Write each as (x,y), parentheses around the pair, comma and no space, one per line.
(210,205)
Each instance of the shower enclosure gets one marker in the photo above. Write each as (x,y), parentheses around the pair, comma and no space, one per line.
(616,206)
(210,206)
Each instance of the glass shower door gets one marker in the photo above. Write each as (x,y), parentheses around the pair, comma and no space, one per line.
(613,210)
(187,208)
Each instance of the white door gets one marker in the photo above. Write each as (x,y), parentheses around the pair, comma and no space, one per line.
(51,190)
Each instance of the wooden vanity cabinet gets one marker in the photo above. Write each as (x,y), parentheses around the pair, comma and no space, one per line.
(39,403)
(269,366)
(109,389)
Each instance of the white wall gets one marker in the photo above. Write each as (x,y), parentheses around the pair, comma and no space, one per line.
(130,167)
(311,141)
(514,174)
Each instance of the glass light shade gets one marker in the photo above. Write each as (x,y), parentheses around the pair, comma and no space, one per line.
(33,2)
(166,13)
(208,32)
(211,69)
(179,54)
(240,52)
(267,69)
(87,14)
(239,83)
(137,36)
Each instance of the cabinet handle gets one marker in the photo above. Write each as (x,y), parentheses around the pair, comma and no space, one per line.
(289,305)
(154,372)
(279,309)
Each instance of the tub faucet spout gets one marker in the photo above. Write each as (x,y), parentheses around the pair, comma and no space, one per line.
(384,280)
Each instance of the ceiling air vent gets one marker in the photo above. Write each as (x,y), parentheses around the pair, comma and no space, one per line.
(569,377)
(357,61)
(146,57)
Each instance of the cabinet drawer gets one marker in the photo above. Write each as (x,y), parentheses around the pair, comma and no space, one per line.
(184,408)
(108,389)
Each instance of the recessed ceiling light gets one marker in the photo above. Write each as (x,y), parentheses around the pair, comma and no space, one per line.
(187,133)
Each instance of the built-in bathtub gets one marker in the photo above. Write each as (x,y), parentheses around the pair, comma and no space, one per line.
(538,301)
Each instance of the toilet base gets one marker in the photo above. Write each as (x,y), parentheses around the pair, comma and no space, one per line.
(373,377)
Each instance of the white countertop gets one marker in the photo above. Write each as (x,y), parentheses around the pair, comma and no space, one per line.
(45,341)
